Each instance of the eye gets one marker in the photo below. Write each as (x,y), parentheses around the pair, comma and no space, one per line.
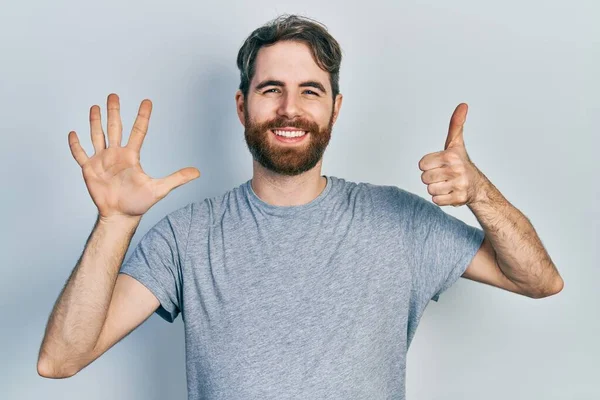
(270,90)
(311,92)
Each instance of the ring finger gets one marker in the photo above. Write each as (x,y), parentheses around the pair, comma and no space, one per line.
(96,129)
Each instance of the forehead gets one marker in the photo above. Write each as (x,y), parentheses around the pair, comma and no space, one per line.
(288,61)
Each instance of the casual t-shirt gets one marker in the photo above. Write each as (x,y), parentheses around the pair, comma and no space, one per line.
(316,301)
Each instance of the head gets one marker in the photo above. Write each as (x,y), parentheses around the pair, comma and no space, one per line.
(289,72)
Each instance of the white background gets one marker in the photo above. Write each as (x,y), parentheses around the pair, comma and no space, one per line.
(527,69)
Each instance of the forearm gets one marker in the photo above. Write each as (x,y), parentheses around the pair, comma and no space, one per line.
(519,251)
(80,311)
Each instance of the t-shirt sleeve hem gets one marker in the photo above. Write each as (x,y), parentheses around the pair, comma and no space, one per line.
(166,309)
(464,262)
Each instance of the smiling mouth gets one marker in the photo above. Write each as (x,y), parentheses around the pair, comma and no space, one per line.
(289,133)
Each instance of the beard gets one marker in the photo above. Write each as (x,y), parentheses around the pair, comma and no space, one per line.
(282,159)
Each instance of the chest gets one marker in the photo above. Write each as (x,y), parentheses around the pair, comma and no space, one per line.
(314,298)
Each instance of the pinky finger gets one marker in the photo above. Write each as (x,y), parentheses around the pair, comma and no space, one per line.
(76,150)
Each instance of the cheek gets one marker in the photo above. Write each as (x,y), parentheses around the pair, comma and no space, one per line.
(319,113)
(261,110)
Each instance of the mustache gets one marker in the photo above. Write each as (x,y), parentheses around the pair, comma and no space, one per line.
(297,123)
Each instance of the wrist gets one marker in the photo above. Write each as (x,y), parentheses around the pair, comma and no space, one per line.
(119,220)
(487,196)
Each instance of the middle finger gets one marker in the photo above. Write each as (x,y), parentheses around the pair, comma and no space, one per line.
(114,126)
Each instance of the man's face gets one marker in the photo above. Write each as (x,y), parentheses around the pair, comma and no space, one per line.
(289,95)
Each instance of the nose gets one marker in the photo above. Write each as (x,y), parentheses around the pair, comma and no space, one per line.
(289,106)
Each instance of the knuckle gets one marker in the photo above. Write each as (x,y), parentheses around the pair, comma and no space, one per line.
(464,182)
(457,169)
(138,130)
(452,157)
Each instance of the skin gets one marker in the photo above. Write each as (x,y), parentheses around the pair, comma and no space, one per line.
(292,64)
(512,256)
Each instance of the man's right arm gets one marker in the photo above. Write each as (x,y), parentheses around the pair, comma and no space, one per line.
(98,306)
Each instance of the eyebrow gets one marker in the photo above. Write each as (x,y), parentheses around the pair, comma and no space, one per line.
(271,82)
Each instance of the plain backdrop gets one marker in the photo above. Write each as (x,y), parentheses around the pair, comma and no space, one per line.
(527,69)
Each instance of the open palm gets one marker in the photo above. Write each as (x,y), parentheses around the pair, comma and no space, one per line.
(113,175)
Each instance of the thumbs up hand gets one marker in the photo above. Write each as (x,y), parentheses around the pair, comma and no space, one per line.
(450,176)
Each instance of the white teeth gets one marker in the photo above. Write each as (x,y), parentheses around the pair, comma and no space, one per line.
(290,133)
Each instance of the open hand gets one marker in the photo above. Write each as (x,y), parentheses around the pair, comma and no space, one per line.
(113,175)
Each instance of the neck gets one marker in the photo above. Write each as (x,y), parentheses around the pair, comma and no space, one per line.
(282,190)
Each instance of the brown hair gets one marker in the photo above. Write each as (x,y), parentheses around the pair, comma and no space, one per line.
(325,49)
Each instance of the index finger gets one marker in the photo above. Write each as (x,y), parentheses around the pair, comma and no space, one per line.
(140,126)
(431,161)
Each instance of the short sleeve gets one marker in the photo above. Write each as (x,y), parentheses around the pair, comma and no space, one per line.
(447,246)
(158,259)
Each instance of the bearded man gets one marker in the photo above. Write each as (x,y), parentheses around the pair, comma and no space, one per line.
(295,284)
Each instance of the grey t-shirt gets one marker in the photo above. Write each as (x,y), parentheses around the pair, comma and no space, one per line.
(317,301)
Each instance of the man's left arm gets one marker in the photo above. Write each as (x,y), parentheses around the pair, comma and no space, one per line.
(513,248)
(511,256)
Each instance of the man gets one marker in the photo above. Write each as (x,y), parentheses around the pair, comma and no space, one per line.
(294,284)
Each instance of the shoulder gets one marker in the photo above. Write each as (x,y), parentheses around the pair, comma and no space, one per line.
(388,201)
(195,216)
(205,212)
(391,198)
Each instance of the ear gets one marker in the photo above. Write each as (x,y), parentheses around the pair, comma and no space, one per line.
(239,106)
(336,106)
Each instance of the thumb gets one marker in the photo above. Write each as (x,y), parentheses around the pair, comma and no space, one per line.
(165,185)
(455,130)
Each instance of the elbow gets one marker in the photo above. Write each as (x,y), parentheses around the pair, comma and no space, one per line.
(550,290)
(49,369)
